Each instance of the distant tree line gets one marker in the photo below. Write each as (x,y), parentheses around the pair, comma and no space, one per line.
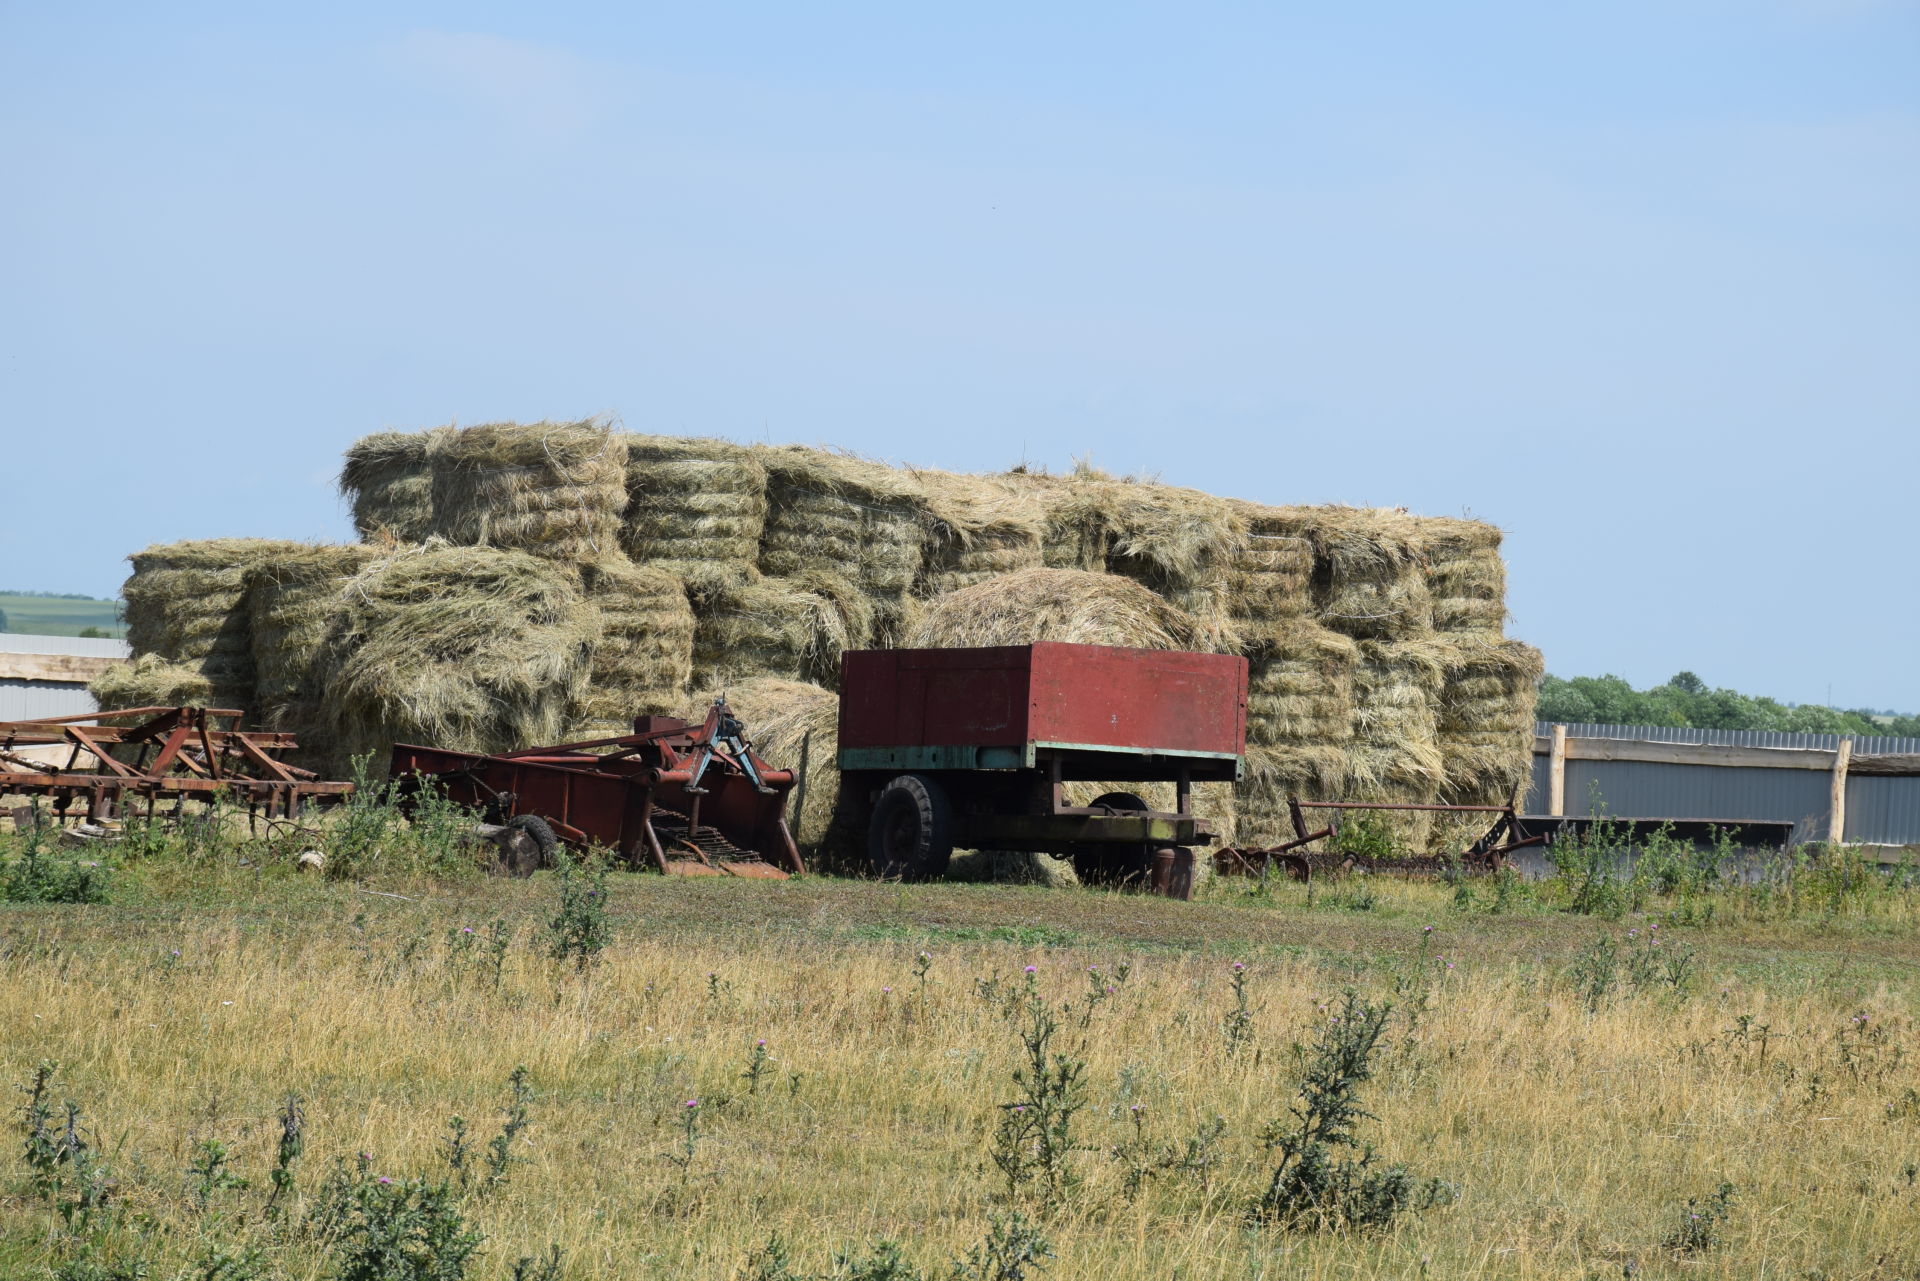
(1685,702)
(55,595)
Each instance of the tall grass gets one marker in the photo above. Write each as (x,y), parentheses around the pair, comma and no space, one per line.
(1572,1121)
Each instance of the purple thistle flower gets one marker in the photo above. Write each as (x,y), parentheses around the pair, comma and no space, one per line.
(693,1103)
(384,1179)
(1033,969)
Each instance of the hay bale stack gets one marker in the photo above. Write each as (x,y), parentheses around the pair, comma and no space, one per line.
(695,506)
(834,515)
(1055,605)
(793,629)
(1300,686)
(1274,772)
(187,603)
(1369,581)
(294,601)
(643,657)
(151,681)
(1180,543)
(557,490)
(388,477)
(978,527)
(478,649)
(1270,574)
(1486,722)
(1465,576)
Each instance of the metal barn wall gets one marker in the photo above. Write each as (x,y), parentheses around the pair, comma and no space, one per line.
(1884,811)
(1880,810)
(23,700)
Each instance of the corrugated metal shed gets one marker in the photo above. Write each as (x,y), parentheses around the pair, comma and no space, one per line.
(1862,743)
(1881,810)
(87,646)
(30,700)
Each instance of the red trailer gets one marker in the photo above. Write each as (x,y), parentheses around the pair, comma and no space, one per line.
(971,748)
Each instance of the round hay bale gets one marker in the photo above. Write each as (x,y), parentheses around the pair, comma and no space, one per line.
(695,506)
(150,681)
(1300,686)
(557,490)
(1270,577)
(978,527)
(1486,711)
(388,478)
(834,514)
(1055,605)
(477,649)
(792,629)
(1466,577)
(187,603)
(643,658)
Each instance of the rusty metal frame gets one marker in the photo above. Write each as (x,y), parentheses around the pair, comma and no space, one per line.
(178,754)
(1487,854)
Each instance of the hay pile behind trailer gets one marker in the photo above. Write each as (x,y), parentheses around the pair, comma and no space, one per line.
(793,629)
(477,649)
(977,528)
(695,507)
(836,516)
(187,603)
(557,490)
(151,681)
(294,601)
(388,478)
(643,656)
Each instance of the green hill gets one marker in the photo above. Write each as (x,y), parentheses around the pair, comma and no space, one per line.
(58,615)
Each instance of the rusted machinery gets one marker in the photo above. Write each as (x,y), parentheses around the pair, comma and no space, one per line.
(1293,857)
(691,800)
(159,755)
(973,748)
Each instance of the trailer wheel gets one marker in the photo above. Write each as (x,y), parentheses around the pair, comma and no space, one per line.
(911,835)
(540,834)
(1128,866)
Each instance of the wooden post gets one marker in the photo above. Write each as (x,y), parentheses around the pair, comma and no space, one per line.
(1837,827)
(1557,772)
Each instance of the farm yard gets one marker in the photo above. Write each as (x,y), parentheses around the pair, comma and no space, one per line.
(265,1074)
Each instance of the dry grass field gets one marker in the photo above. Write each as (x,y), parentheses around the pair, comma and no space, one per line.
(1571,1096)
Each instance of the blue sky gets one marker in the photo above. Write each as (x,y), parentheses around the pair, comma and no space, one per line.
(1638,282)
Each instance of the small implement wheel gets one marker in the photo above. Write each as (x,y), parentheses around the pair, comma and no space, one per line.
(536,829)
(1120,866)
(911,836)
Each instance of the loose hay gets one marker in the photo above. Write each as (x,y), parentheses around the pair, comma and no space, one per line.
(151,681)
(187,603)
(557,490)
(643,658)
(791,629)
(388,477)
(1368,576)
(695,506)
(1055,605)
(476,649)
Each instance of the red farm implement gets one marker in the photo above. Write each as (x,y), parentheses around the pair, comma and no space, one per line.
(110,763)
(691,800)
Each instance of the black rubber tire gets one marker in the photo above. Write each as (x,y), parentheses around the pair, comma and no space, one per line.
(1129,866)
(541,834)
(911,835)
